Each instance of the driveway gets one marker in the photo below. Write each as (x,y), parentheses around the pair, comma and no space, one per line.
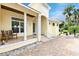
(61,46)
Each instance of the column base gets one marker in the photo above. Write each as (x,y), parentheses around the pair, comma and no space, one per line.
(39,42)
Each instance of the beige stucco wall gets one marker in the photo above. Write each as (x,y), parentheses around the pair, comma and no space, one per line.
(0,17)
(0,20)
(53,30)
(30,25)
(43,25)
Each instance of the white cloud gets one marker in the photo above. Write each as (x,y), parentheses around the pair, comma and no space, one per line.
(58,14)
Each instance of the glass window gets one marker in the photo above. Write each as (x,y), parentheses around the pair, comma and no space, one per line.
(22,30)
(49,22)
(57,24)
(53,24)
(17,25)
(15,30)
(21,26)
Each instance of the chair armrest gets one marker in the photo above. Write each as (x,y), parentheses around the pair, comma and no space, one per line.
(14,34)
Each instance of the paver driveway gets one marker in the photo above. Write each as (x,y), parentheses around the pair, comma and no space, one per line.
(61,46)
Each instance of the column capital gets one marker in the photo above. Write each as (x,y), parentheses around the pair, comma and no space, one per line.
(39,15)
(25,13)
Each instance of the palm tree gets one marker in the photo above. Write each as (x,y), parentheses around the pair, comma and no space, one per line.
(68,12)
(76,16)
(72,17)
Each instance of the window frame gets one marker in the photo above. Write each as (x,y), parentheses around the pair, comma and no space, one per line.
(19,26)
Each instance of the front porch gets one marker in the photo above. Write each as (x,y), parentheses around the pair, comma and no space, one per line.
(19,39)
(29,26)
(16,20)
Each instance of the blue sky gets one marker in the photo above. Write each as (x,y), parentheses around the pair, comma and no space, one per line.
(58,8)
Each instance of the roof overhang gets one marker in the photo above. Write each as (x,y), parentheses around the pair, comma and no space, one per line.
(55,20)
(29,8)
(47,6)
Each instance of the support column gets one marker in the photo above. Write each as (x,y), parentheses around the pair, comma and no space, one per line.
(25,26)
(39,27)
(47,27)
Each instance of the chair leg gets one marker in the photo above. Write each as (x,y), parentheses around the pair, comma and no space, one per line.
(7,39)
(16,36)
(2,41)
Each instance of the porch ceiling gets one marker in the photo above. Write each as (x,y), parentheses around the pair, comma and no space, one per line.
(14,10)
(18,8)
(11,9)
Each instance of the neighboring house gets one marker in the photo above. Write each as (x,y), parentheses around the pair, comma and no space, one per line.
(28,21)
(54,26)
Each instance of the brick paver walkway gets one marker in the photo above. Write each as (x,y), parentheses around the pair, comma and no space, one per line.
(63,46)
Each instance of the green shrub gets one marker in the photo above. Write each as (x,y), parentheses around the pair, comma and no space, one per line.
(65,31)
(72,28)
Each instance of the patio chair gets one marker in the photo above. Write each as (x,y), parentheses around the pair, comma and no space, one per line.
(4,36)
(11,34)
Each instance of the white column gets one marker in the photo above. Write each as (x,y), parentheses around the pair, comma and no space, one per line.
(47,26)
(39,27)
(25,26)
